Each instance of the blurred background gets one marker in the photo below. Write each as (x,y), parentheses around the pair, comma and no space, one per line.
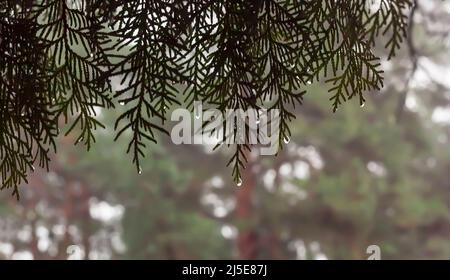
(378,175)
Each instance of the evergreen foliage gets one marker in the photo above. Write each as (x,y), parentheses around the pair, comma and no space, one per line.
(57,59)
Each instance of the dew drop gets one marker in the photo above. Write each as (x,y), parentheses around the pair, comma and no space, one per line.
(197,109)
(197,114)
(258,121)
(122,103)
(309,82)
(362,105)
(32,167)
(287,139)
(140,170)
(239,182)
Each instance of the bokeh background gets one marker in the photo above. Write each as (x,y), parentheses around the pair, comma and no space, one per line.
(378,175)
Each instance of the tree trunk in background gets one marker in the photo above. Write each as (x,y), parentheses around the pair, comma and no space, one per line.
(247,240)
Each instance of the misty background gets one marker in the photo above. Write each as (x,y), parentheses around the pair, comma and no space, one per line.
(377,175)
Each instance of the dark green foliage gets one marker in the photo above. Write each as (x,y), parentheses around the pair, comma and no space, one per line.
(147,68)
(27,125)
(57,58)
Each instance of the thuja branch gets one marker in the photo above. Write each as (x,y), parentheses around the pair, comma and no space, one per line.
(58,57)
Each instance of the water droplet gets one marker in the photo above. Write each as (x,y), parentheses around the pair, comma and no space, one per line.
(122,103)
(309,82)
(239,182)
(32,167)
(79,140)
(362,105)
(197,109)
(140,170)
(92,54)
(258,121)
(197,114)
(287,139)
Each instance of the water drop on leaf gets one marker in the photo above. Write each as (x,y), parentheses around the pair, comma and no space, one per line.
(197,114)
(239,182)
(197,110)
(287,139)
